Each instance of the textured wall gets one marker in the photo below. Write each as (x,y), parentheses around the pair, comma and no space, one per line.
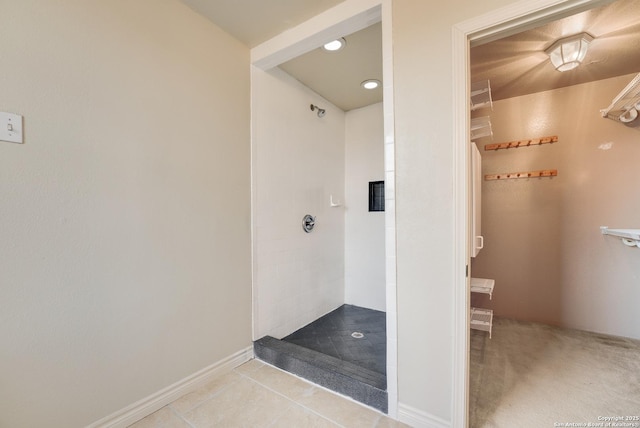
(364,230)
(298,162)
(125,238)
(543,243)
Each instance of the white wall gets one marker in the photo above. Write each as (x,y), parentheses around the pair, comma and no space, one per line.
(125,238)
(298,162)
(423,87)
(364,231)
(542,236)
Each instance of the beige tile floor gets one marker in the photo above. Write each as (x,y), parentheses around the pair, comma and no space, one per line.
(259,395)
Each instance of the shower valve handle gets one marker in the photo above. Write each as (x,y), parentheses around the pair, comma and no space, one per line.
(308,222)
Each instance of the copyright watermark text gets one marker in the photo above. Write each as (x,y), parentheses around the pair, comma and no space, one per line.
(605,422)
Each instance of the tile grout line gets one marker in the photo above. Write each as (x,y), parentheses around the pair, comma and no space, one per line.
(179,416)
(330,391)
(209,398)
(213,396)
(295,403)
(292,402)
(290,399)
(379,414)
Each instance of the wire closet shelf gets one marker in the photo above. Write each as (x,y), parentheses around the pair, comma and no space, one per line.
(626,105)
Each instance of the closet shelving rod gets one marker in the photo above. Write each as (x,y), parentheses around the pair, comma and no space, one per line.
(527,174)
(625,106)
(630,237)
(522,143)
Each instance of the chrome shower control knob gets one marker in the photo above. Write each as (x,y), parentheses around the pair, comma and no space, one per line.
(308,221)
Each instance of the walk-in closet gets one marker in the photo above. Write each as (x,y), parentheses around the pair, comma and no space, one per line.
(554,289)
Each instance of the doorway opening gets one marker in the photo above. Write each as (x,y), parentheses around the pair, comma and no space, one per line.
(559,222)
(298,163)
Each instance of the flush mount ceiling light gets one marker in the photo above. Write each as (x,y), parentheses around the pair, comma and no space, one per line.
(370,84)
(335,45)
(566,54)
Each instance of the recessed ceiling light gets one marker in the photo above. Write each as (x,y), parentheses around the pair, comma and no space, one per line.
(335,45)
(370,84)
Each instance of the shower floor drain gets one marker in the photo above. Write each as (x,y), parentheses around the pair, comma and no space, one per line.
(357,335)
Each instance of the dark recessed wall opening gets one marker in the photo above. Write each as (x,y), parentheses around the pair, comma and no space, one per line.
(376,196)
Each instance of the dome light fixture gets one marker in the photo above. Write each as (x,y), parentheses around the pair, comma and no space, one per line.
(335,45)
(370,84)
(567,53)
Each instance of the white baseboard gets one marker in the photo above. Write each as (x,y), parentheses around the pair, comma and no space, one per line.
(138,410)
(419,419)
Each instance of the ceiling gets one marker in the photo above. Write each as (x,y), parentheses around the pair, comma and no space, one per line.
(337,75)
(516,65)
(256,21)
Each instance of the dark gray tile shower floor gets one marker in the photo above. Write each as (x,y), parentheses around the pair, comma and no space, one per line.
(332,335)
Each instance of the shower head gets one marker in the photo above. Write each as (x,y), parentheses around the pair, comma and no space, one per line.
(321,111)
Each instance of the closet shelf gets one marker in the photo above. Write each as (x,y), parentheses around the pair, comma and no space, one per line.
(483,285)
(482,319)
(522,143)
(625,107)
(480,127)
(630,237)
(526,174)
(481,95)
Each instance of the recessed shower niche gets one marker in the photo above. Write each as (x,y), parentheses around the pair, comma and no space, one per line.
(376,196)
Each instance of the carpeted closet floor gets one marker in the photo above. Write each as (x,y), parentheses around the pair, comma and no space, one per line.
(535,375)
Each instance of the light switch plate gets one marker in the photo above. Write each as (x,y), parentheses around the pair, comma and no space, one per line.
(11,127)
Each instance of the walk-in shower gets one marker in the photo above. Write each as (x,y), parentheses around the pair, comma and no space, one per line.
(344,351)
(350,333)
(319,294)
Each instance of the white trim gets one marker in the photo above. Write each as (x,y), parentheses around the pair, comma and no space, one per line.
(138,410)
(490,26)
(345,18)
(461,259)
(255,308)
(521,16)
(391,300)
(419,419)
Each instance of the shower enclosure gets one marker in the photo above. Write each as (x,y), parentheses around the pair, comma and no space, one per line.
(317,162)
